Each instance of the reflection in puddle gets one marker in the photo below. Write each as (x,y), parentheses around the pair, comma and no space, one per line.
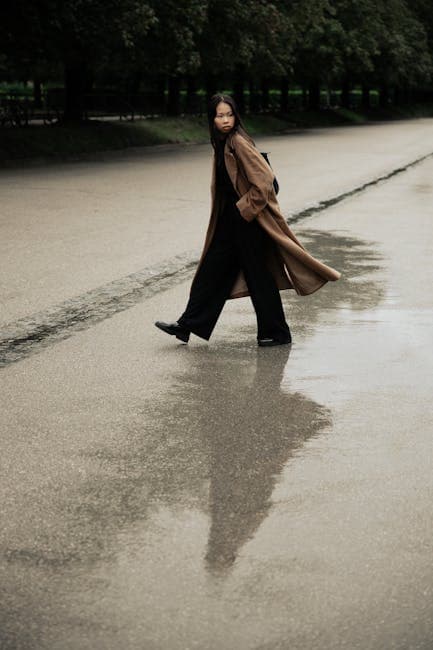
(251,429)
(223,430)
(261,426)
(361,287)
(212,443)
(218,436)
(360,263)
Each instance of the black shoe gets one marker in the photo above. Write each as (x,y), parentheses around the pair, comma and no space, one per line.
(174,329)
(267,343)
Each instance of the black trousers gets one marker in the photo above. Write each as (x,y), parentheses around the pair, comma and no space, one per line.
(237,245)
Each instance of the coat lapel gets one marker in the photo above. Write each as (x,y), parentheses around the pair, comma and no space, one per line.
(231,163)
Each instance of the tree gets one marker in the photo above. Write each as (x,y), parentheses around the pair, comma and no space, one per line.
(361,27)
(172,43)
(169,51)
(404,60)
(423,10)
(358,41)
(80,34)
(250,42)
(319,52)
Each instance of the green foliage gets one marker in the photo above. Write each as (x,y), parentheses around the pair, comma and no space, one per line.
(314,43)
(171,44)
(60,142)
(403,56)
(255,35)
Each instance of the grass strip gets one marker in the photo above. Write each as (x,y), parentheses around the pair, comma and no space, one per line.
(59,142)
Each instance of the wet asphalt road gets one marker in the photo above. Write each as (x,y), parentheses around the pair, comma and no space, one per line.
(66,229)
(225,497)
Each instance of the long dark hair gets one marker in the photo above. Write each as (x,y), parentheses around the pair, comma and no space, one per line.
(215,136)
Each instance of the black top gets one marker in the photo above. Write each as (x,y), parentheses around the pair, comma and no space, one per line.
(224,186)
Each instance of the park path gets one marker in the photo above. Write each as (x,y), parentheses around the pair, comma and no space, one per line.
(225,497)
(67,229)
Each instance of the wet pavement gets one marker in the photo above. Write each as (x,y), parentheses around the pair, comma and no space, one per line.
(68,228)
(224,496)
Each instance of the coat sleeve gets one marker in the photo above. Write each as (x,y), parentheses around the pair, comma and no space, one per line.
(258,174)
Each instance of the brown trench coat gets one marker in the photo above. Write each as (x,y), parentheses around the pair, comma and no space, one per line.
(292,266)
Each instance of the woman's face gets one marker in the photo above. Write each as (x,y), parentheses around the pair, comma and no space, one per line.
(224,117)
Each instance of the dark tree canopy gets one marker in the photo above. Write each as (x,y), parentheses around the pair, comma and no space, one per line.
(173,44)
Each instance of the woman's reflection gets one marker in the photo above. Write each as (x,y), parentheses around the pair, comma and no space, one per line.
(251,432)
(222,424)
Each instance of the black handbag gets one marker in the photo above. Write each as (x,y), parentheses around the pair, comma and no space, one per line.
(276,184)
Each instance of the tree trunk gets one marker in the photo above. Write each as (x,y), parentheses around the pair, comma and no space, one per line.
(160,107)
(238,91)
(192,102)
(304,97)
(173,104)
(314,96)
(265,87)
(345,94)
(403,96)
(384,96)
(75,75)
(365,102)
(133,90)
(254,102)
(37,93)
(284,95)
(135,82)
(211,86)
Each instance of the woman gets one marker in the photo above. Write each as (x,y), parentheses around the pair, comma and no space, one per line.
(249,248)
